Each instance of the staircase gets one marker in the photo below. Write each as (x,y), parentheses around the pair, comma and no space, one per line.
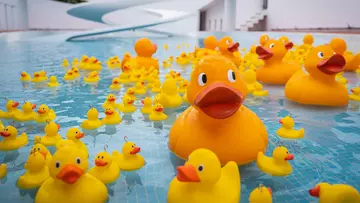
(254,20)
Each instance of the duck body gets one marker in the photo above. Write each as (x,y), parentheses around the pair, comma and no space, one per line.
(11,141)
(27,113)
(335,193)
(130,159)
(147,108)
(93,77)
(51,136)
(277,165)
(157,113)
(355,95)
(169,96)
(127,108)
(45,115)
(93,121)
(111,117)
(105,169)
(3,170)
(11,107)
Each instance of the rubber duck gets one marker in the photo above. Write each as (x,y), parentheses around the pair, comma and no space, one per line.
(147,105)
(3,170)
(322,65)
(156,86)
(210,45)
(53,82)
(25,77)
(284,39)
(43,75)
(76,72)
(263,39)
(65,63)
(335,193)
(69,76)
(166,46)
(93,77)
(94,64)
(112,117)
(131,93)
(202,179)
(308,40)
(170,75)
(11,139)
(277,165)
(75,62)
(261,194)
(287,130)
(69,180)
(171,59)
(74,134)
(130,159)
(126,59)
(140,88)
(1,126)
(228,47)
(40,148)
(275,70)
(250,80)
(216,96)
(110,101)
(45,114)
(259,92)
(127,105)
(93,121)
(166,64)
(11,107)
(144,49)
(27,113)
(37,78)
(183,59)
(115,84)
(352,61)
(157,113)
(105,169)
(355,95)
(83,62)
(51,136)
(136,76)
(169,96)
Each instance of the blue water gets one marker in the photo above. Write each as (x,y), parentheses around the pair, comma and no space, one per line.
(329,152)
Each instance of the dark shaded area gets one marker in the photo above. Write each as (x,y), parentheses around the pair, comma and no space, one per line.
(72,1)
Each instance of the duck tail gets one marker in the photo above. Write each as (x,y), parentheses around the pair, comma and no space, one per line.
(259,155)
(302,131)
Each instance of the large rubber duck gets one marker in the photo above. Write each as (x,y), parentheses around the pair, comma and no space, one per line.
(217,117)
(25,77)
(202,180)
(93,122)
(69,76)
(112,117)
(11,107)
(144,49)
(93,77)
(40,148)
(3,170)
(45,114)
(335,193)
(275,70)
(115,84)
(128,105)
(169,96)
(140,88)
(53,82)
(110,101)
(355,95)
(27,113)
(287,130)
(147,105)
(105,168)
(36,173)
(339,46)
(11,139)
(130,159)
(69,182)
(74,134)
(228,47)
(277,165)
(250,80)
(51,136)
(157,113)
(261,194)
(318,86)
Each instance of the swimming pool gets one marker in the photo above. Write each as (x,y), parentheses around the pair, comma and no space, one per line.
(330,151)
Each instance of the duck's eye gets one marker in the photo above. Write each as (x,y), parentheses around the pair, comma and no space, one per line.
(132,146)
(57,164)
(227,42)
(78,160)
(320,55)
(6,129)
(76,132)
(201,168)
(287,152)
(39,149)
(102,157)
(98,157)
(43,108)
(202,79)
(231,76)
(271,45)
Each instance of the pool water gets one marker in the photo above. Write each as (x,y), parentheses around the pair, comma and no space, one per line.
(330,151)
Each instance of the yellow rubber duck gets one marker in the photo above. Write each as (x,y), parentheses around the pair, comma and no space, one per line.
(250,80)
(75,62)
(145,49)
(352,61)
(131,93)
(40,148)
(263,39)
(94,64)
(166,64)
(65,63)
(69,180)
(45,114)
(287,130)
(25,77)
(37,171)
(202,180)
(51,136)
(157,113)
(140,88)
(228,47)
(93,121)
(70,76)
(110,101)
(183,59)
(93,77)
(259,92)
(126,59)
(183,86)
(355,96)
(105,169)
(136,76)
(130,159)
(53,82)
(261,194)
(156,86)
(128,105)
(11,107)
(166,46)
(43,75)
(115,84)
(169,96)
(112,117)
(343,81)
(277,165)
(308,40)
(76,72)
(147,105)
(83,62)
(74,134)
(11,139)
(335,193)
(37,78)
(3,170)
(171,59)
(27,113)
(125,75)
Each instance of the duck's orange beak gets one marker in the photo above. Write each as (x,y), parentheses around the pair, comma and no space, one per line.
(264,53)
(315,192)
(219,101)
(41,111)
(159,109)
(23,74)
(70,174)
(116,82)
(270,191)
(289,157)
(289,45)
(33,106)
(108,112)
(131,101)
(280,121)
(142,101)
(5,134)
(352,90)
(80,135)
(187,173)
(155,47)
(111,99)
(15,104)
(99,162)
(233,47)
(58,125)
(334,64)
(135,150)
(131,92)
(36,75)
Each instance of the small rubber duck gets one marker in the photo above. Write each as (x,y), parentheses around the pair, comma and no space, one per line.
(74,134)
(112,117)
(202,179)
(127,105)
(140,88)
(250,80)
(355,96)
(157,113)
(36,172)
(130,159)
(287,130)
(228,47)
(69,180)
(51,136)
(93,77)
(93,121)
(25,77)
(75,62)
(45,114)
(183,86)
(11,107)
(277,165)
(263,39)
(156,86)
(131,93)
(3,170)
(125,75)
(147,105)
(171,59)
(136,76)
(27,113)
(11,139)
(53,82)
(43,75)
(69,76)
(110,101)
(166,64)
(335,193)
(126,59)
(259,92)
(343,81)
(76,72)
(261,194)
(37,78)
(65,63)
(115,84)
(166,46)
(40,148)
(169,96)
(83,62)
(105,169)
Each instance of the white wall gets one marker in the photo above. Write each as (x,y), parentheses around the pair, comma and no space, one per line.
(287,14)
(215,16)
(13,15)
(245,9)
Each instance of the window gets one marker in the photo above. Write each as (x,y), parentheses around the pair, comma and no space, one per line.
(209,25)
(215,24)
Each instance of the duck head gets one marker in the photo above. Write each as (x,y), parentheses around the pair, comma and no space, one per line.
(115,81)
(287,122)
(284,39)
(355,90)
(338,45)
(103,159)
(130,91)
(316,191)
(308,39)
(157,84)
(139,85)
(53,79)
(42,73)
(127,100)
(69,73)
(75,70)
(282,154)
(109,111)
(93,74)
(130,148)
(158,108)
(147,101)
(9,132)
(84,58)
(273,50)
(11,105)
(261,194)
(145,48)
(249,76)
(39,148)
(74,134)
(263,39)
(28,107)
(216,87)
(93,114)
(36,75)
(210,42)
(43,109)
(202,166)
(228,46)
(35,162)
(184,84)
(24,74)
(51,128)
(111,98)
